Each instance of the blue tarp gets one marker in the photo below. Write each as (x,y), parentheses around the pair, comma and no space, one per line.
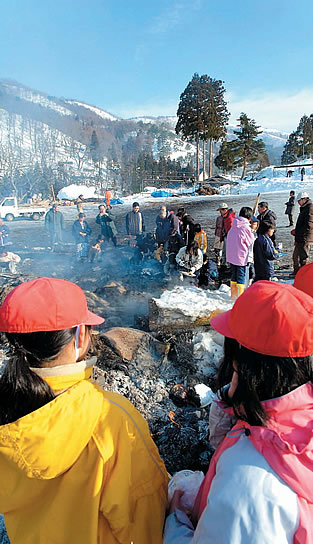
(116,201)
(161,194)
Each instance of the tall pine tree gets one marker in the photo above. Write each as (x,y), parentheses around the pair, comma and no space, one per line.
(300,142)
(202,113)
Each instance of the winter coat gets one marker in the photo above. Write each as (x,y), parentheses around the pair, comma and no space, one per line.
(175,223)
(107,224)
(219,227)
(290,205)
(135,223)
(175,243)
(228,221)
(54,222)
(268,216)
(163,227)
(189,260)
(239,239)
(79,227)
(187,228)
(81,469)
(264,254)
(304,225)
(201,238)
(259,486)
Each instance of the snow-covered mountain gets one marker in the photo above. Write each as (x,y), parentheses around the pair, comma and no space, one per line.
(39,129)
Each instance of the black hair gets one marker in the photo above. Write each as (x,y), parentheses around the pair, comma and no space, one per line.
(263,204)
(198,227)
(100,237)
(21,390)
(81,214)
(264,227)
(292,193)
(246,212)
(260,377)
(194,247)
(135,204)
(100,206)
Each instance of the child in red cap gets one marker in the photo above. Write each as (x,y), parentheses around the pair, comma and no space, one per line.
(259,486)
(77,463)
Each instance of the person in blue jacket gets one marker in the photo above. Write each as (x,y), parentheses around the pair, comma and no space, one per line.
(264,253)
(81,232)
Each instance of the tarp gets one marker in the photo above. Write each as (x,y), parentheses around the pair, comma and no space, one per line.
(161,194)
(114,201)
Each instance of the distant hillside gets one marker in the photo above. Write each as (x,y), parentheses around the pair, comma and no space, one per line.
(66,139)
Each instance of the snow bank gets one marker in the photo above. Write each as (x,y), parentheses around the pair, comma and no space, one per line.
(271,179)
(194,302)
(71,192)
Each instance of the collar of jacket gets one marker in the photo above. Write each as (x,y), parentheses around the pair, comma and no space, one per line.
(62,377)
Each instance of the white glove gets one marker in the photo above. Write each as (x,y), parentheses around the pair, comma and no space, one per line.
(192,269)
(181,263)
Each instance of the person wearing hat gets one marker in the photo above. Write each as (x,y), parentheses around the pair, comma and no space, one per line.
(303,232)
(228,215)
(54,224)
(77,463)
(259,486)
(134,221)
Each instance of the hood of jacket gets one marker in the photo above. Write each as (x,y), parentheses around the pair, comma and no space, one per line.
(239,222)
(43,444)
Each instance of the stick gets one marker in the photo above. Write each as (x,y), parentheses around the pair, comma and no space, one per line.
(52,190)
(256,203)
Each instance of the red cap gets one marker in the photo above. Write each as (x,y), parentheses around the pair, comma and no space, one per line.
(304,279)
(270,318)
(45,304)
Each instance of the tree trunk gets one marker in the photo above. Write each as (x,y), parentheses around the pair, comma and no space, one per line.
(245,164)
(203,158)
(198,159)
(211,159)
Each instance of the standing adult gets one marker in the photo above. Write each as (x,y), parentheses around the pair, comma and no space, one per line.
(163,226)
(54,225)
(302,172)
(4,234)
(228,215)
(303,232)
(80,203)
(268,216)
(134,221)
(290,207)
(81,232)
(107,196)
(106,221)
(187,226)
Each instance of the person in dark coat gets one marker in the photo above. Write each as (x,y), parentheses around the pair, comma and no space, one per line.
(54,225)
(134,221)
(303,232)
(81,232)
(269,217)
(163,227)
(289,207)
(187,225)
(302,172)
(264,253)
(174,244)
(4,234)
(105,219)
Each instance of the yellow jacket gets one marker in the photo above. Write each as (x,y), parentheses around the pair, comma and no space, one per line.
(82,469)
(201,238)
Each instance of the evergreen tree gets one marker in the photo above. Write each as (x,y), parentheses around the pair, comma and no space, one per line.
(291,149)
(226,158)
(247,147)
(202,113)
(94,147)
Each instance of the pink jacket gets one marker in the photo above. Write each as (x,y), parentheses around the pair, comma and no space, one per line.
(239,240)
(287,445)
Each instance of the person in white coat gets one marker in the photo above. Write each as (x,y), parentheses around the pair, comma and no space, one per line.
(259,486)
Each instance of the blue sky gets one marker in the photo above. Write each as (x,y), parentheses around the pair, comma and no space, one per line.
(136,57)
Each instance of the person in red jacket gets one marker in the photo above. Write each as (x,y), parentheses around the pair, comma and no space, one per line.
(228,216)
